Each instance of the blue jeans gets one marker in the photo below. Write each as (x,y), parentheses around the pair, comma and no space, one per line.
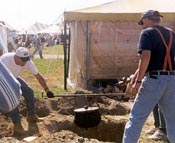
(151,92)
(28,95)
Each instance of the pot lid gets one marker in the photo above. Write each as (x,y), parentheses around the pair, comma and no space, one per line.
(86,109)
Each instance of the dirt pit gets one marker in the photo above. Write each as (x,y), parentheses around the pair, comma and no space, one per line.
(59,125)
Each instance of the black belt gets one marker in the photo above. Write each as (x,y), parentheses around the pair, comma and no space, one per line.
(161,73)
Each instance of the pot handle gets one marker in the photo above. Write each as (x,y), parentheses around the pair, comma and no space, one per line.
(86,107)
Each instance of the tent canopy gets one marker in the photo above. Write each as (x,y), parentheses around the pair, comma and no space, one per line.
(53,29)
(36,27)
(117,10)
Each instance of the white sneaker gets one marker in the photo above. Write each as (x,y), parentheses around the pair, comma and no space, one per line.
(151,131)
(158,136)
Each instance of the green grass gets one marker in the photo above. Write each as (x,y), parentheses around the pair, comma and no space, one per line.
(53,50)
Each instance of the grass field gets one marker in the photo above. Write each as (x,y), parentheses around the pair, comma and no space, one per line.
(53,50)
(56,49)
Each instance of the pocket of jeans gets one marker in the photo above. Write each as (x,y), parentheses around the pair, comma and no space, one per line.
(149,83)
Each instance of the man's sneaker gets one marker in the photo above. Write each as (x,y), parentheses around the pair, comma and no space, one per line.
(151,131)
(158,136)
(34,119)
(18,129)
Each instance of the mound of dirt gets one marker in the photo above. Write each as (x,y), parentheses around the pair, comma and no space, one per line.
(59,125)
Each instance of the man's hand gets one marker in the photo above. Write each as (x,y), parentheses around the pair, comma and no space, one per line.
(50,94)
(135,88)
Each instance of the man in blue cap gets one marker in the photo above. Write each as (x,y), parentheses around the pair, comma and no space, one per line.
(154,80)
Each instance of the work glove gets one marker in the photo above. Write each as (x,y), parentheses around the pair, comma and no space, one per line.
(50,94)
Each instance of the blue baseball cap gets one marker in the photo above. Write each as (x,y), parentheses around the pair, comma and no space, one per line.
(149,14)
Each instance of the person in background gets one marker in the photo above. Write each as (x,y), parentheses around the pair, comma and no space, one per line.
(158,132)
(16,63)
(38,46)
(10,47)
(1,49)
(28,43)
(154,79)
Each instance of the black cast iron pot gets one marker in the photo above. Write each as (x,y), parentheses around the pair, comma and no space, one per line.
(87,117)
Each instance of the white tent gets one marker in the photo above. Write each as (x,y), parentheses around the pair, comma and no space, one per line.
(3,37)
(8,26)
(53,29)
(118,9)
(36,27)
(104,38)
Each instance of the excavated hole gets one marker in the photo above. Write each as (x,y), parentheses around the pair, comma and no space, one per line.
(110,128)
(59,115)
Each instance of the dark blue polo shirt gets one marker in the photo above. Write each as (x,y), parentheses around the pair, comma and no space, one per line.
(150,40)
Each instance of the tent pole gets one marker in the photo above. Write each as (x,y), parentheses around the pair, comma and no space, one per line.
(87,56)
(68,52)
(65,55)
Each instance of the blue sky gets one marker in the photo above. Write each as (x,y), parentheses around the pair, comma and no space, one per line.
(23,13)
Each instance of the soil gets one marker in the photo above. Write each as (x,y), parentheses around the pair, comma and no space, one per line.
(59,127)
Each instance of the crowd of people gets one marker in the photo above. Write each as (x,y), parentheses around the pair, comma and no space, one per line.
(153,82)
(38,41)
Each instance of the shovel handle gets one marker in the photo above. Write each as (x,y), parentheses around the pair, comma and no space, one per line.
(89,94)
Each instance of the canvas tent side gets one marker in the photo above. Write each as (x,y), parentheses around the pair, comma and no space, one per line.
(3,37)
(103,39)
